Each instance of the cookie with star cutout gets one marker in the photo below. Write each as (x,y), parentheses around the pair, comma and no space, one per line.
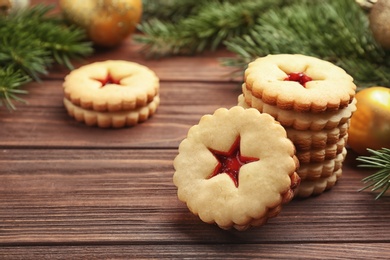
(111,94)
(300,83)
(111,86)
(301,120)
(236,168)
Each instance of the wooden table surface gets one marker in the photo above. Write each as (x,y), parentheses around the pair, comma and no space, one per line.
(69,191)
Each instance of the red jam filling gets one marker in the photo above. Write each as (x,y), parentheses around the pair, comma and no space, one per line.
(300,77)
(231,161)
(108,80)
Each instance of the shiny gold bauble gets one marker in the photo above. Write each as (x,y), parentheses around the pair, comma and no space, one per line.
(107,22)
(370,124)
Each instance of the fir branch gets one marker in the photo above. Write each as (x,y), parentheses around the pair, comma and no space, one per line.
(31,41)
(169,10)
(10,82)
(173,10)
(214,22)
(335,30)
(379,181)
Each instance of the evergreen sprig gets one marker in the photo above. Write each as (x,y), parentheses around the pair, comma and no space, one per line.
(170,10)
(31,41)
(333,30)
(380,180)
(206,28)
(10,83)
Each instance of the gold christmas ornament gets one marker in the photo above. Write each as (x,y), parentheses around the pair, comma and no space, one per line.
(370,124)
(107,22)
(380,23)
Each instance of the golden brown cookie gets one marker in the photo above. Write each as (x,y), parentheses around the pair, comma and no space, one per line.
(300,83)
(236,168)
(309,139)
(113,85)
(112,119)
(319,155)
(312,188)
(301,120)
(314,171)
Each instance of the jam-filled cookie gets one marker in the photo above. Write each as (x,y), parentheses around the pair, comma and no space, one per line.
(112,119)
(236,168)
(112,85)
(309,188)
(302,120)
(319,155)
(309,139)
(314,171)
(112,93)
(298,82)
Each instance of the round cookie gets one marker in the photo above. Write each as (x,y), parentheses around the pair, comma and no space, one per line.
(298,82)
(112,85)
(315,171)
(301,120)
(312,188)
(236,168)
(112,119)
(309,139)
(319,155)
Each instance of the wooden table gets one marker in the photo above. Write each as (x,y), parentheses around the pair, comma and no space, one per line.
(70,191)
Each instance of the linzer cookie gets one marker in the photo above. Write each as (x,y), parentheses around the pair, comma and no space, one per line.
(236,168)
(300,83)
(111,93)
(309,139)
(112,119)
(319,155)
(314,171)
(309,188)
(314,100)
(299,120)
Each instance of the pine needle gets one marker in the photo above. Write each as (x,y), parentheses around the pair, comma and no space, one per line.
(31,41)
(204,29)
(10,81)
(380,180)
(333,30)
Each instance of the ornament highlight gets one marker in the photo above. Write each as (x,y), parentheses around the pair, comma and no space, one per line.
(370,124)
(107,22)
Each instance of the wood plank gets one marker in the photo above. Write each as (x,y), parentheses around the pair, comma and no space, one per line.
(44,122)
(203,251)
(127,196)
(72,191)
(203,67)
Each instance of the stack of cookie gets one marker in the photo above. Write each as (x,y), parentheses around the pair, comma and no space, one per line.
(313,99)
(111,93)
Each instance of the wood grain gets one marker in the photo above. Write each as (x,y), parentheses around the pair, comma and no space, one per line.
(182,105)
(83,196)
(68,191)
(203,251)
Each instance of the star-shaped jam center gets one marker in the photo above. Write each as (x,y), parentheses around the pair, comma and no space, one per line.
(300,77)
(107,80)
(231,161)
